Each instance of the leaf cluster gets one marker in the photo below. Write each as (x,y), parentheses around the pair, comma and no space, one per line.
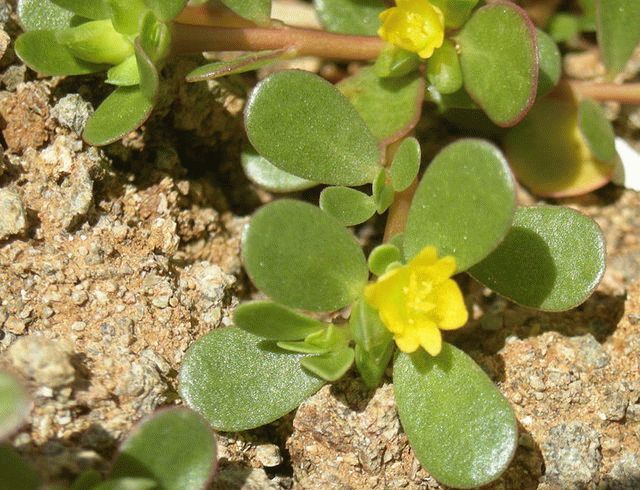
(174,449)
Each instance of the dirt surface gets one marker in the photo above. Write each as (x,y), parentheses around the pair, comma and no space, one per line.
(113,261)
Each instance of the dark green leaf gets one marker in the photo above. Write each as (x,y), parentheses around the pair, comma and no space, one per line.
(552,259)
(260,171)
(125,74)
(405,164)
(303,258)
(330,366)
(333,146)
(382,256)
(391,107)
(456,12)
(87,480)
(372,364)
(499,60)
(36,15)
(550,63)
(127,483)
(443,69)
(459,425)
(358,17)
(618,31)
(258,11)
(564,27)
(41,52)
(273,321)
(90,9)
(349,206)
(125,110)
(14,405)
(241,64)
(175,447)
(15,473)
(238,381)
(395,62)
(166,10)
(596,129)
(149,78)
(383,193)
(464,204)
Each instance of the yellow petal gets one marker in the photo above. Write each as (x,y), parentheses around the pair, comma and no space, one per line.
(442,270)
(427,257)
(450,308)
(407,343)
(430,339)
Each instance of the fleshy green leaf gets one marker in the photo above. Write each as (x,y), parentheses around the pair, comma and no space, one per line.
(333,146)
(550,63)
(548,154)
(383,193)
(391,107)
(499,60)
(464,204)
(564,27)
(552,259)
(349,206)
(149,78)
(125,110)
(125,74)
(238,381)
(618,31)
(16,473)
(459,425)
(302,347)
(241,64)
(155,38)
(596,129)
(127,483)
(456,12)
(330,366)
(274,322)
(87,480)
(41,52)
(89,9)
(367,329)
(258,11)
(262,172)
(302,257)
(176,448)
(126,15)
(14,405)
(443,69)
(38,15)
(96,42)
(405,164)
(358,17)
(166,10)
(395,62)
(382,256)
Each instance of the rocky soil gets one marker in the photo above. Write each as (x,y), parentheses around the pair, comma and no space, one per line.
(113,261)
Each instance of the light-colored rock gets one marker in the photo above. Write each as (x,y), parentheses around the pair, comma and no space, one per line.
(42,360)
(13,220)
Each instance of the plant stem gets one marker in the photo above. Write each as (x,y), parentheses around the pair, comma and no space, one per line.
(398,212)
(302,42)
(625,94)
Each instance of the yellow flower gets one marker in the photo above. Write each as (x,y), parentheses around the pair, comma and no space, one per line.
(417,300)
(414,25)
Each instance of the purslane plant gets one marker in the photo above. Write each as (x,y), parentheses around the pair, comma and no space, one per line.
(174,449)
(474,62)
